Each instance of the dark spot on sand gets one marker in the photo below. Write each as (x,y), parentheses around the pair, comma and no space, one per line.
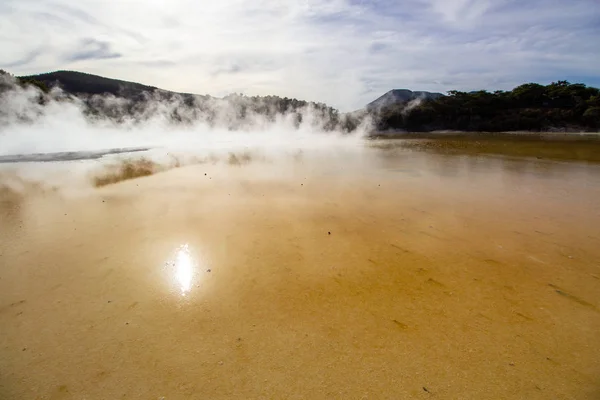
(399,248)
(572,297)
(525,317)
(17,303)
(434,282)
(400,324)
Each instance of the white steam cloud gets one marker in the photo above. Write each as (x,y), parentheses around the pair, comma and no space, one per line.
(35,122)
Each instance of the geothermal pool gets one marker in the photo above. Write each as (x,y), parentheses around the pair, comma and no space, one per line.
(384,273)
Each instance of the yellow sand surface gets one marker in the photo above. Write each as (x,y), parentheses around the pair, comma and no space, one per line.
(385,275)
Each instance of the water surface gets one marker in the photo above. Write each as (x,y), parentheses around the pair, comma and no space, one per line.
(383,273)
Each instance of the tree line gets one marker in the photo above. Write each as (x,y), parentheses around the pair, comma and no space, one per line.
(529,107)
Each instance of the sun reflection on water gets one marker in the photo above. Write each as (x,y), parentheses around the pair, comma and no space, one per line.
(184,269)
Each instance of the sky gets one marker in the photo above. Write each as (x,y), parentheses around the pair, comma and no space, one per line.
(344,53)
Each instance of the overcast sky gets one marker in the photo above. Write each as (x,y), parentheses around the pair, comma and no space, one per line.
(341,52)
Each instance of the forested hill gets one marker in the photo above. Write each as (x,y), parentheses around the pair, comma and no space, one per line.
(82,83)
(138,102)
(399,96)
(529,107)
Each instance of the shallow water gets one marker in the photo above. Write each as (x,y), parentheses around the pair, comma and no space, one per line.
(383,273)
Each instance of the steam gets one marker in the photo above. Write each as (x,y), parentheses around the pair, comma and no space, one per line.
(412,105)
(176,130)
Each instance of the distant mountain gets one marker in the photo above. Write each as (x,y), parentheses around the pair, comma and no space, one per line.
(80,83)
(400,96)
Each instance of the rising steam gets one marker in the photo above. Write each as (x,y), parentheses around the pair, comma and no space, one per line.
(178,131)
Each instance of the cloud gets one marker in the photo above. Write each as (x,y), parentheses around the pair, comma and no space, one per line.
(91,49)
(24,60)
(343,52)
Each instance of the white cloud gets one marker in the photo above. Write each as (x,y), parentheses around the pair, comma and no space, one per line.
(460,11)
(342,52)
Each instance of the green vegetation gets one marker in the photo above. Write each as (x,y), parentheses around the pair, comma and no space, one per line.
(529,107)
(140,101)
(24,82)
(559,106)
(82,83)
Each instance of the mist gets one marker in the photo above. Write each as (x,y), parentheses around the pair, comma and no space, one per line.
(171,131)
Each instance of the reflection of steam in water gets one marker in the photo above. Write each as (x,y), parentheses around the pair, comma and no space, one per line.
(184,269)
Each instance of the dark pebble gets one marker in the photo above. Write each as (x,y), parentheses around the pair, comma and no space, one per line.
(208,270)
(329,233)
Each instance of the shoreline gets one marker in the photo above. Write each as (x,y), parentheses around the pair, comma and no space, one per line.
(512,135)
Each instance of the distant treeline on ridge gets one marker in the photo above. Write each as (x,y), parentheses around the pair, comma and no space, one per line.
(528,107)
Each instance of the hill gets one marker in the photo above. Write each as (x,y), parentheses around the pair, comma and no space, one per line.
(81,83)
(122,101)
(559,106)
(85,85)
(400,96)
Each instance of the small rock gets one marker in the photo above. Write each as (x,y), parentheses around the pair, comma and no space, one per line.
(329,233)
(425,389)
(24,348)
(208,270)
(108,301)
(220,362)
